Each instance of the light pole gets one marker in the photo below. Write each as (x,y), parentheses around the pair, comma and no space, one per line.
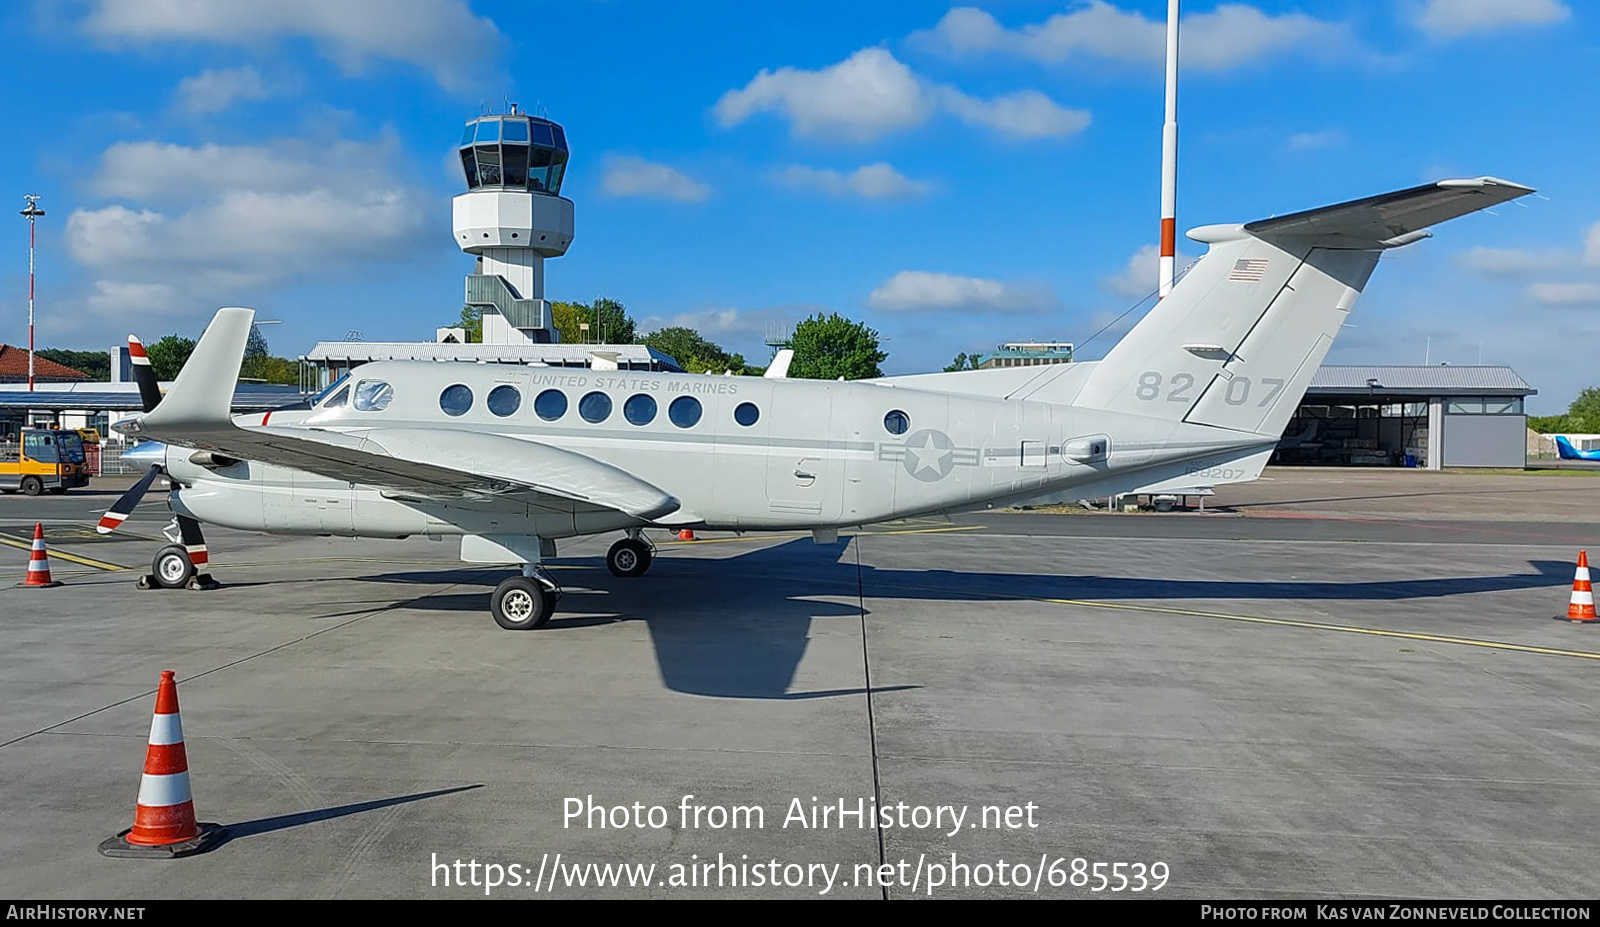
(1169,159)
(31,213)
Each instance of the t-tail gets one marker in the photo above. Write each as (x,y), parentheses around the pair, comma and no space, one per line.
(1236,342)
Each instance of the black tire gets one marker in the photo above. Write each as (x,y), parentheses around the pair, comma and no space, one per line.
(520,604)
(32,486)
(171,567)
(629,557)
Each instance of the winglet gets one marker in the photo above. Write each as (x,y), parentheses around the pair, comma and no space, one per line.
(203,393)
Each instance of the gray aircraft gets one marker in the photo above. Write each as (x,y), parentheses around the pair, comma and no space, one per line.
(512,459)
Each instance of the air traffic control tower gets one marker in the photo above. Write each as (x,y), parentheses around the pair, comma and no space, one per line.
(512,217)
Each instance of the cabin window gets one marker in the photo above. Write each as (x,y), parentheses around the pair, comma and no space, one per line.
(639,409)
(746,414)
(456,400)
(504,400)
(595,407)
(897,422)
(550,405)
(684,412)
(373,395)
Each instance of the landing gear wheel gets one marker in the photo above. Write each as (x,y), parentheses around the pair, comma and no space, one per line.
(521,604)
(32,486)
(629,557)
(171,568)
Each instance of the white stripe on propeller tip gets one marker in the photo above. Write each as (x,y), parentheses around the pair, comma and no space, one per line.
(110,522)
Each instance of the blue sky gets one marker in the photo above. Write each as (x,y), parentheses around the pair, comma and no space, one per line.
(955,176)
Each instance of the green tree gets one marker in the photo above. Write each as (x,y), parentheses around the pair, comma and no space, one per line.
(827,347)
(168,356)
(1551,424)
(1584,413)
(472,321)
(97,364)
(608,321)
(255,345)
(963,361)
(693,351)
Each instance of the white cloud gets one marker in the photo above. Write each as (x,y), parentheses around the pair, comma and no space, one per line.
(214,90)
(1453,18)
(1231,35)
(625,175)
(148,169)
(877,181)
(226,223)
(443,37)
(862,97)
(1566,294)
(112,297)
(925,291)
(872,94)
(1138,278)
(1020,115)
(1510,262)
(1591,245)
(1310,141)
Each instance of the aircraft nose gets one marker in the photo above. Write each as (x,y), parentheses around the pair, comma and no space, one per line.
(146,453)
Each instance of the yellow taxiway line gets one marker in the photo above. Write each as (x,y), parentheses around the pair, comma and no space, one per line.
(1341,628)
(70,558)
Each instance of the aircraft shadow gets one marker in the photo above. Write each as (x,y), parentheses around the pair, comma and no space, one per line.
(739,627)
(280,822)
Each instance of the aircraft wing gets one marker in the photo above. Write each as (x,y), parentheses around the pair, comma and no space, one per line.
(1378,219)
(433,464)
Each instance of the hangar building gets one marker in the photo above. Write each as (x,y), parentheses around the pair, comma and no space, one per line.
(1433,417)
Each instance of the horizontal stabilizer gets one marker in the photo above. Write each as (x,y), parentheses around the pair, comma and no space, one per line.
(1378,219)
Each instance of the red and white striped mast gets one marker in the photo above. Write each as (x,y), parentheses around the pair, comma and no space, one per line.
(1169,159)
(31,213)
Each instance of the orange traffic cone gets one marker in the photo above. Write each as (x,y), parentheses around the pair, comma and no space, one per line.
(163,819)
(1581,606)
(686,535)
(39,561)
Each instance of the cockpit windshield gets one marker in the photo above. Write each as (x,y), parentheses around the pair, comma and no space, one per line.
(329,391)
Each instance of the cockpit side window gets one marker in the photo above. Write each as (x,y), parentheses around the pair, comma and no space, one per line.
(373,395)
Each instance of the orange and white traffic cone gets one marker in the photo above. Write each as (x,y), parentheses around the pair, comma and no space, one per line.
(163,819)
(1581,606)
(686,534)
(39,562)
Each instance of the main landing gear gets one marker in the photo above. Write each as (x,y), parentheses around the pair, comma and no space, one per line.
(630,556)
(525,602)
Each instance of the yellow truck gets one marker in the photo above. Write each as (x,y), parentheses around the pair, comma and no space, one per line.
(44,458)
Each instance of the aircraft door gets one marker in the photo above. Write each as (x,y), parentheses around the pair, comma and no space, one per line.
(805,471)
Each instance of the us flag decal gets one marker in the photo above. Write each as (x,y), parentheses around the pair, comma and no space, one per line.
(1248,270)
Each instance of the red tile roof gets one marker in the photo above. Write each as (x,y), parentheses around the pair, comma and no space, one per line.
(14,367)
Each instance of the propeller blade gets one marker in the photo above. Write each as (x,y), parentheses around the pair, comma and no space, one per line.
(194,542)
(123,507)
(144,374)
